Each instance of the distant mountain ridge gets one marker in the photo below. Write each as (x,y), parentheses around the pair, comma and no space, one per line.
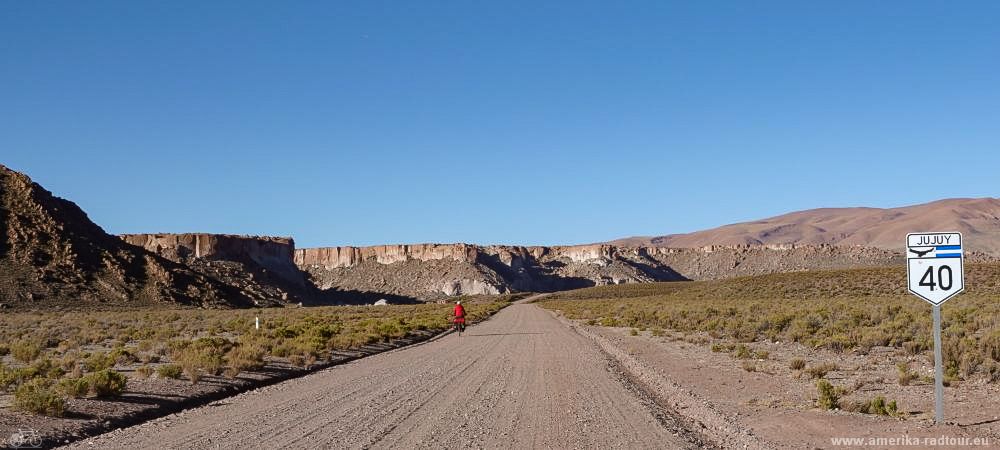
(52,254)
(977,218)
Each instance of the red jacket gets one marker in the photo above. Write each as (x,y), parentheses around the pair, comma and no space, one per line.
(459,312)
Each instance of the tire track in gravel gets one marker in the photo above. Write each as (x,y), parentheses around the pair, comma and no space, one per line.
(520,379)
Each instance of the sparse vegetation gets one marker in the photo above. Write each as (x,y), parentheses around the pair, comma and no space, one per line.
(25,351)
(38,396)
(58,355)
(106,383)
(828,395)
(820,370)
(169,371)
(834,310)
(74,387)
(144,372)
(797,364)
(877,406)
(905,375)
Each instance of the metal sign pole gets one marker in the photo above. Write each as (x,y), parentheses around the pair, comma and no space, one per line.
(938,369)
(935,272)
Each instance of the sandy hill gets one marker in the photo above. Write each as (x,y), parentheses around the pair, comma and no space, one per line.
(51,253)
(978,219)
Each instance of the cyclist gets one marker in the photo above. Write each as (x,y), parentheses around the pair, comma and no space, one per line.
(459,317)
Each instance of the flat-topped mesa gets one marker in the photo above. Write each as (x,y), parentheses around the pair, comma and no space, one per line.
(512,255)
(335,257)
(272,253)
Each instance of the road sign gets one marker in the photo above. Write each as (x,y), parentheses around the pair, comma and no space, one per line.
(935,265)
(935,272)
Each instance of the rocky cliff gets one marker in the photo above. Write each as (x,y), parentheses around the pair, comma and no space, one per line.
(433,270)
(260,266)
(51,253)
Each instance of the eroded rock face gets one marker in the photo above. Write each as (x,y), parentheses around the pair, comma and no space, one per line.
(334,257)
(430,270)
(261,266)
(272,253)
(51,253)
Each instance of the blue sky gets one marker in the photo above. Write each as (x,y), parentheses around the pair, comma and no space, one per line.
(361,123)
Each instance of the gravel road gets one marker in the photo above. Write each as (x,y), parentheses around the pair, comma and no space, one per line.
(519,380)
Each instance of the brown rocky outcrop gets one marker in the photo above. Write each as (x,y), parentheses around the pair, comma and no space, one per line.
(51,253)
(261,266)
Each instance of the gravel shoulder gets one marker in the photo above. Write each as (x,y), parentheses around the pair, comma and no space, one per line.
(774,407)
(520,379)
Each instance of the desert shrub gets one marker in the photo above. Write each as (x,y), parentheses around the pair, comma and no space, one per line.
(106,383)
(74,387)
(992,373)
(122,355)
(144,371)
(48,368)
(39,397)
(633,332)
(749,366)
(820,370)
(202,355)
(797,364)
(951,372)
(877,406)
(69,362)
(913,347)
(172,371)
(905,375)
(829,396)
(12,377)
(99,361)
(297,360)
(969,364)
(990,346)
(742,352)
(25,351)
(248,355)
(6,377)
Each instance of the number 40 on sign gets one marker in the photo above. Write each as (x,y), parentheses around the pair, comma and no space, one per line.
(935,266)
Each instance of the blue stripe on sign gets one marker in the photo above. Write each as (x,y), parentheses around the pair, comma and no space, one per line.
(949,247)
(948,255)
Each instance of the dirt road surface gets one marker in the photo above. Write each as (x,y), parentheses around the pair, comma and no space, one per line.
(520,380)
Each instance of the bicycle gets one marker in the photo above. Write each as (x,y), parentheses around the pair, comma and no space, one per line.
(459,325)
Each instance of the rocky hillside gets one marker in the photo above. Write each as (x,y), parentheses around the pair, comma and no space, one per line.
(261,267)
(978,220)
(52,254)
(429,271)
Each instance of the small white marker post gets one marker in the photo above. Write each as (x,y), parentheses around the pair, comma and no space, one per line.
(256,323)
(935,272)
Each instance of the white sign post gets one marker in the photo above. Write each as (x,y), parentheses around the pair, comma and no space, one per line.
(935,272)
